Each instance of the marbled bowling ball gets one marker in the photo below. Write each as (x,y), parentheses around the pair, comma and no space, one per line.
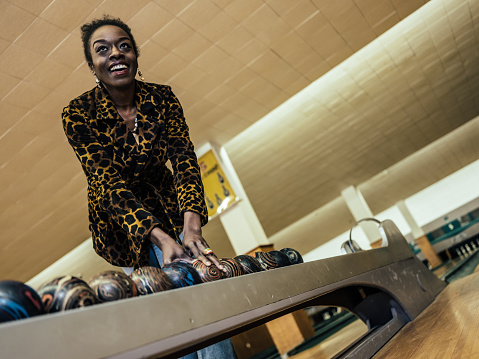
(293,255)
(112,285)
(233,268)
(266,260)
(271,260)
(249,264)
(281,258)
(66,292)
(182,274)
(208,273)
(150,280)
(18,301)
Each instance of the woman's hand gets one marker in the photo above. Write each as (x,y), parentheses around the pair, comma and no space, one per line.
(172,250)
(194,242)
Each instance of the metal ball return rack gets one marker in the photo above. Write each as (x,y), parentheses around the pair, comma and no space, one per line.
(385,287)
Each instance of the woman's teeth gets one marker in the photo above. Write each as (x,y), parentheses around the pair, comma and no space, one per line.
(118,67)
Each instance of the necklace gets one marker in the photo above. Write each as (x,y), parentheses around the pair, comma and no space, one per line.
(135,128)
(135,131)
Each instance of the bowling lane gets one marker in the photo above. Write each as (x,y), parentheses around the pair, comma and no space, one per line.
(335,343)
(448,328)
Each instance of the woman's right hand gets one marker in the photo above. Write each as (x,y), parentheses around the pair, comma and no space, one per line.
(172,250)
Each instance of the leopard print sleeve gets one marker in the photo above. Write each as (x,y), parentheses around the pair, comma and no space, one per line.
(112,194)
(181,154)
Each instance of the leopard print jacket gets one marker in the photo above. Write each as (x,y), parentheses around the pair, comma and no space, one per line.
(130,188)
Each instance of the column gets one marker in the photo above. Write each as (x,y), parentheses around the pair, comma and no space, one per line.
(419,235)
(247,236)
(360,210)
(240,222)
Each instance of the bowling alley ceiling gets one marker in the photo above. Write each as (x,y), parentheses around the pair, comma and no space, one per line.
(308,97)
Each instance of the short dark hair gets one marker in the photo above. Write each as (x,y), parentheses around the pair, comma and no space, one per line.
(88,29)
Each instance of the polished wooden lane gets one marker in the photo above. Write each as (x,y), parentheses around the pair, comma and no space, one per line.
(335,343)
(448,328)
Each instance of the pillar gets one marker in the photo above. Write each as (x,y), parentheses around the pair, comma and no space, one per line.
(239,219)
(240,222)
(419,235)
(247,236)
(360,210)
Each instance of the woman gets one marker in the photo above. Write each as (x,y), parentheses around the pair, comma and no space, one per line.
(123,132)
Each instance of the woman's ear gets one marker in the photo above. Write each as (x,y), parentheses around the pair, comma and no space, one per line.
(90,65)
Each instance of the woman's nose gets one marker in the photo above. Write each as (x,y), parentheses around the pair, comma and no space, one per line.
(115,52)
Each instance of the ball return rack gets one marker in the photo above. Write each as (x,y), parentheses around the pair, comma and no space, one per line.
(385,287)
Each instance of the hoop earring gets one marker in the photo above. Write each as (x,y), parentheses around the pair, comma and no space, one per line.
(141,75)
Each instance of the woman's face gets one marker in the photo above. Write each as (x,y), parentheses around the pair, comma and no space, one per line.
(114,59)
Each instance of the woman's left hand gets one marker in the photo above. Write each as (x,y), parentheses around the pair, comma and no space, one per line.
(195,244)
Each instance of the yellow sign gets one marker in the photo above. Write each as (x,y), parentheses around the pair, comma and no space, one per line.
(219,194)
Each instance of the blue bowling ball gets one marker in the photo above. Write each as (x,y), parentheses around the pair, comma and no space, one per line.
(293,255)
(182,274)
(18,301)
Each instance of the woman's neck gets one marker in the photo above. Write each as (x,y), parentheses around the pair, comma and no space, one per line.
(124,99)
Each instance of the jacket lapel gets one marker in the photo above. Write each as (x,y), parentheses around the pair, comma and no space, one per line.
(104,115)
(148,126)
(109,125)
(108,122)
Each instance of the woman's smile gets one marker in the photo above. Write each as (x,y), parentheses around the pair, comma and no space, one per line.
(114,59)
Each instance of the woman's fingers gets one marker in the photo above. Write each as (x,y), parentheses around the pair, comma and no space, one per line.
(194,243)
(215,261)
(206,255)
(173,254)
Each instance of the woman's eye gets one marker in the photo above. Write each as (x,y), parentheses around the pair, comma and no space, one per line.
(125,46)
(101,48)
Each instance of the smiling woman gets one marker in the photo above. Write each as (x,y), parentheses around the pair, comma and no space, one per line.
(112,54)
(124,131)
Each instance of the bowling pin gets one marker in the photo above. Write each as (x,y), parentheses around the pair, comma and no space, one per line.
(468,249)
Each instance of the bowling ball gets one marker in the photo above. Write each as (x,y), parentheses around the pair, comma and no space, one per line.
(112,285)
(65,293)
(208,273)
(249,264)
(233,268)
(281,258)
(293,255)
(150,280)
(182,274)
(272,259)
(18,301)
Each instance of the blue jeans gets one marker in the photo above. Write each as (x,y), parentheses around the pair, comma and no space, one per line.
(220,350)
